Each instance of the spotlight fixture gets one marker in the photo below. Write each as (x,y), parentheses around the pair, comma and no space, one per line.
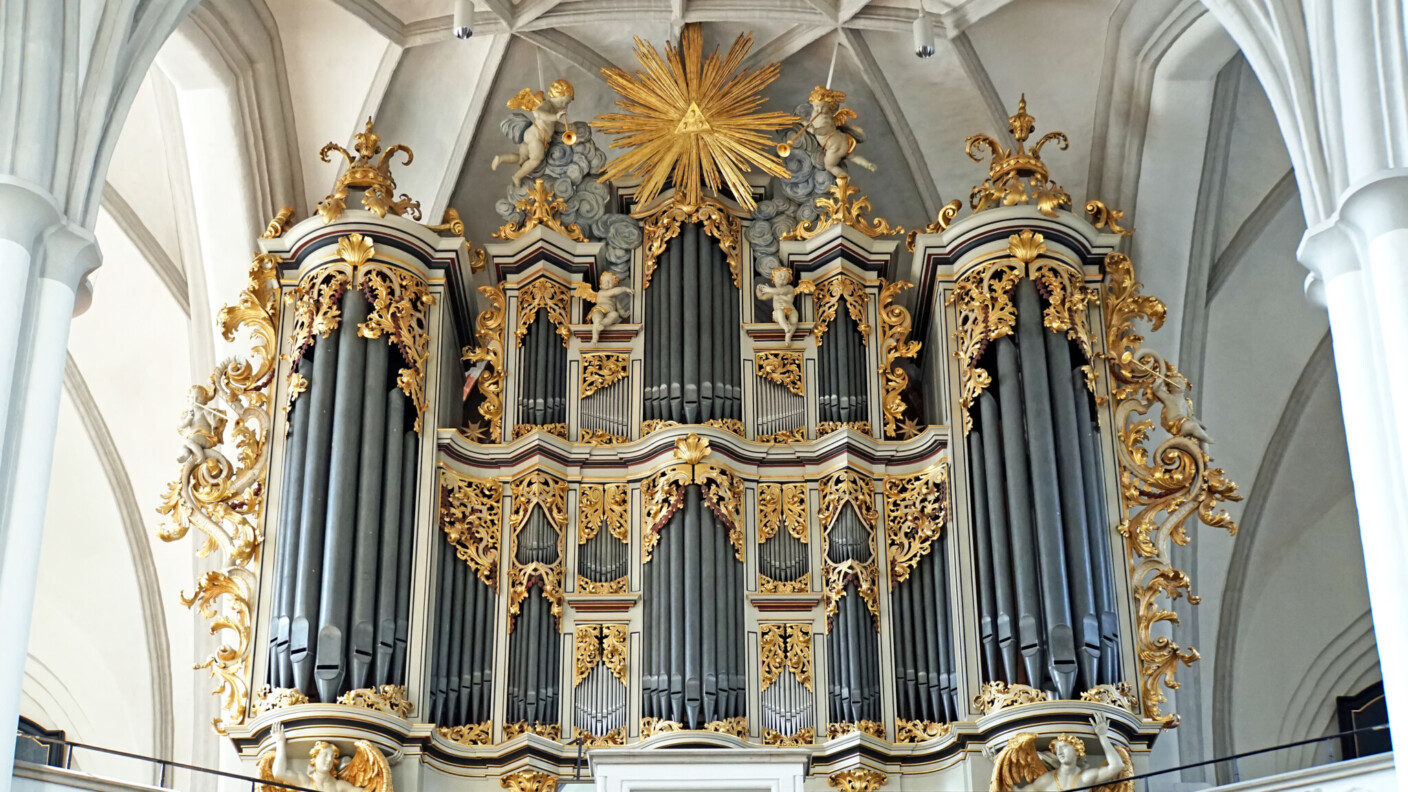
(923,35)
(464,15)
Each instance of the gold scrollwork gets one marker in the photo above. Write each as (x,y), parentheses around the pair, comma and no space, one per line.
(873,728)
(737,726)
(663,494)
(786,436)
(985,313)
(542,208)
(998,696)
(864,575)
(600,437)
(268,699)
(528,780)
(767,585)
(399,306)
(727,424)
(390,699)
(471,511)
(1117,695)
(847,486)
(895,325)
(828,296)
(552,731)
(616,736)
(840,209)
(649,727)
(618,586)
(603,369)
(1105,218)
(550,296)
(843,487)
(1160,487)
(539,490)
(315,301)
(664,225)
(600,643)
(379,188)
(554,429)
(918,731)
(782,505)
(916,511)
(804,736)
(783,367)
(940,224)
(655,425)
(222,499)
(825,428)
(469,734)
(1017,176)
(278,224)
(489,332)
(603,504)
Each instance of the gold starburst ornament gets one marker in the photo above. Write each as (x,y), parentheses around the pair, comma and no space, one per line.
(692,119)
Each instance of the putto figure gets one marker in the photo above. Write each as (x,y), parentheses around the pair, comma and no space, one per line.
(1021,766)
(613,302)
(367,771)
(549,117)
(783,294)
(836,137)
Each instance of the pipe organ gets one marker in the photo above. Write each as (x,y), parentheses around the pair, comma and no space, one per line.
(489,506)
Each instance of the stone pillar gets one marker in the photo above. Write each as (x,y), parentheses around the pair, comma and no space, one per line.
(1359,263)
(34,330)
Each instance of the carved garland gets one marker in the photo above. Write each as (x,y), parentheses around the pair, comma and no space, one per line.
(719,223)
(471,511)
(663,494)
(916,511)
(895,325)
(608,505)
(600,643)
(489,332)
(785,647)
(546,294)
(828,296)
(1161,486)
(782,505)
(783,368)
(536,490)
(223,499)
(602,370)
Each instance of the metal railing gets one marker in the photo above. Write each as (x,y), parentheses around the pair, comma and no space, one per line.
(166,765)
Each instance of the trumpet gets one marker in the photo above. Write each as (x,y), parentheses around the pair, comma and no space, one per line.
(783,149)
(569,138)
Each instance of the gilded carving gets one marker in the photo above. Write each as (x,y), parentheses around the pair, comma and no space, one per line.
(825,428)
(655,425)
(786,436)
(895,325)
(539,490)
(542,208)
(616,736)
(399,305)
(552,731)
(772,654)
(738,726)
(907,731)
(985,313)
(663,494)
(316,300)
(828,297)
(222,499)
(782,367)
(489,332)
(782,505)
(600,643)
(1118,695)
(471,511)
(1161,486)
(620,585)
(603,505)
(941,223)
(804,736)
(554,429)
(1105,218)
(1018,176)
(278,224)
(873,728)
(529,780)
(602,370)
(719,223)
(916,511)
(843,487)
(390,699)
(379,188)
(841,209)
(998,696)
(865,577)
(728,425)
(470,734)
(268,699)
(1021,765)
(649,727)
(840,488)
(767,585)
(548,295)
(600,437)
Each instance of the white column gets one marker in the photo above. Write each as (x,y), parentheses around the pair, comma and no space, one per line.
(25,211)
(67,254)
(1359,264)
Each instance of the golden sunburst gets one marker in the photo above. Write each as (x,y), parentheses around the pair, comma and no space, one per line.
(693,119)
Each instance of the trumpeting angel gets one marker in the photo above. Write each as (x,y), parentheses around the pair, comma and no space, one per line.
(1021,766)
(367,771)
(549,115)
(830,125)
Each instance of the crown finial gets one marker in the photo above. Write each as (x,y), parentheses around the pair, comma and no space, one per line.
(373,178)
(1021,124)
(1017,175)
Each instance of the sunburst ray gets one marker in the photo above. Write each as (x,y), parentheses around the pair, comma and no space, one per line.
(692,119)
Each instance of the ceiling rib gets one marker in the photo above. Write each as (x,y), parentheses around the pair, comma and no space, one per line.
(469,126)
(785,45)
(387,24)
(894,116)
(556,42)
(979,77)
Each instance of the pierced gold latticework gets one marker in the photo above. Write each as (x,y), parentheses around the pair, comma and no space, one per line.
(602,370)
(782,505)
(785,647)
(828,297)
(600,437)
(998,696)
(389,699)
(798,435)
(469,734)
(374,178)
(895,325)
(542,208)
(663,494)
(1162,484)
(554,429)
(606,505)
(781,367)
(907,731)
(841,209)
(471,512)
(489,332)
(662,226)
(224,499)
(1018,176)
(916,511)
(548,295)
(536,490)
(599,643)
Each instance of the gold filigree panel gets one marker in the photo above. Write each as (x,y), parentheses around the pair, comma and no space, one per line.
(603,505)
(847,487)
(599,643)
(663,494)
(998,696)
(827,427)
(659,228)
(785,647)
(838,207)
(781,367)
(602,370)
(895,326)
(916,510)
(536,490)
(786,436)
(547,295)
(470,734)
(866,578)
(829,294)
(489,332)
(471,512)
(907,731)
(873,728)
(782,505)
(801,585)
(388,699)
(554,429)
(552,731)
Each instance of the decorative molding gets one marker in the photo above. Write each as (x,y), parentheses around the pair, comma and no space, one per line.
(602,370)
(916,511)
(781,367)
(471,513)
(895,326)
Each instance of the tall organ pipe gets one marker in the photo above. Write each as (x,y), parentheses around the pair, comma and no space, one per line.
(392,494)
(369,479)
(987,590)
(1024,565)
(1102,565)
(288,545)
(403,556)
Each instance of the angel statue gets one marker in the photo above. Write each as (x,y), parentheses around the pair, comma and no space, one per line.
(1172,392)
(367,771)
(613,302)
(200,426)
(549,116)
(1021,766)
(836,137)
(782,293)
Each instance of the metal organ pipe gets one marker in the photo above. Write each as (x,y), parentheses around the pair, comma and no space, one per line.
(369,479)
(392,495)
(281,673)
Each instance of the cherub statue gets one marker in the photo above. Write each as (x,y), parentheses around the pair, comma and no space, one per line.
(549,116)
(782,293)
(1171,390)
(836,137)
(200,426)
(1020,766)
(613,302)
(367,771)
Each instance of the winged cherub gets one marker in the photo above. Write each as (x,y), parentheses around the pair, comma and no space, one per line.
(1172,391)
(836,137)
(549,116)
(783,293)
(367,771)
(1021,766)
(613,302)
(200,426)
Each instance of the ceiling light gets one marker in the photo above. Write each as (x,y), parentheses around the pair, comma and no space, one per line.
(464,15)
(923,34)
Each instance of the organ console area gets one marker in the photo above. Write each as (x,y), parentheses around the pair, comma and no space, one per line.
(662,479)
